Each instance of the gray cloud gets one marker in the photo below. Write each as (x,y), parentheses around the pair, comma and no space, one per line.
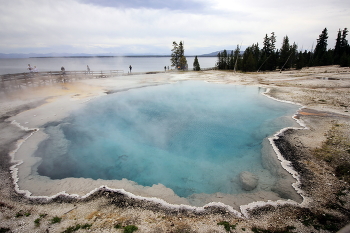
(183,5)
(91,26)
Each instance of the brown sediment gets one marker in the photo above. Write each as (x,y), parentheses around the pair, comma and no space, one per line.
(313,112)
(328,195)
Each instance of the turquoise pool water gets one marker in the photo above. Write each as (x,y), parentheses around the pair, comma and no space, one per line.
(193,137)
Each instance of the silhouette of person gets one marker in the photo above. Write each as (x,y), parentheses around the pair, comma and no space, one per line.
(130,67)
(164,68)
(63,70)
(88,69)
(29,68)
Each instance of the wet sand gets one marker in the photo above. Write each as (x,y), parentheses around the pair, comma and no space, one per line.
(30,108)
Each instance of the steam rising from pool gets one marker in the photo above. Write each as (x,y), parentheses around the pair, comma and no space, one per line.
(192,137)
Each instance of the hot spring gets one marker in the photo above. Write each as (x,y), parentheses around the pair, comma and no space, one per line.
(193,137)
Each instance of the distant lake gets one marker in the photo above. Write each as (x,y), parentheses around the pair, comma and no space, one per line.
(139,64)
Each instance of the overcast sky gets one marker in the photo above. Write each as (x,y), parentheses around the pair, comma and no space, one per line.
(150,26)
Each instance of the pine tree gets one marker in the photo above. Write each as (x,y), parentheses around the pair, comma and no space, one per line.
(237,59)
(175,55)
(337,49)
(272,62)
(267,45)
(268,59)
(196,65)
(218,64)
(224,65)
(320,54)
(178,58)
(249,62)
(344,46)
(284,54)
(183,63)
(344,49)
(300,61)
(231,61)
(293,55)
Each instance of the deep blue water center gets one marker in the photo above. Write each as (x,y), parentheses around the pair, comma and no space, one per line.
(193,137)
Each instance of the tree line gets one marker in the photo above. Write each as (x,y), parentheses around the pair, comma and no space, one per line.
(268,58)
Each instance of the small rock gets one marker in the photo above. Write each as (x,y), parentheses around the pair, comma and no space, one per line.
(248,180)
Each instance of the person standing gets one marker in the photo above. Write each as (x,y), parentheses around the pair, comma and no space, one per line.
(165,68)
(88,69)
(130,67)
(29,68)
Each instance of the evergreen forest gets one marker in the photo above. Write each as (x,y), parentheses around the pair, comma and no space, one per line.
(269,58)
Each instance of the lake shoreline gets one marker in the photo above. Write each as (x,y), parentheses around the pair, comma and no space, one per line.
(127,205)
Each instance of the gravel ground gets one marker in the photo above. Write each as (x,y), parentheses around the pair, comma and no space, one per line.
(323,91)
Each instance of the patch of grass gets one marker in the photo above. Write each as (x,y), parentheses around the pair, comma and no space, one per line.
(37,222)
(227,225)
(55,220)
(19,214)
(72,229)
(130,229)
(86,226)
(118,226)
(127,229)
(77,227)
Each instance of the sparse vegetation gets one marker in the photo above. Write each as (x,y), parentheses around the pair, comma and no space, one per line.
(86,226)
(72,229)
(77,227)
(130,229)
(55,220)
(21,214)
(227,225)
(37,222)
(335,151)
(127,229)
